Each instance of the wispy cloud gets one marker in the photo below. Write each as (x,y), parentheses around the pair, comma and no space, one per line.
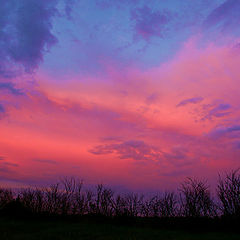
(225,17)
(194,100)
(150,23)
(132,149)
(47,161)
(216,111)
(10,87)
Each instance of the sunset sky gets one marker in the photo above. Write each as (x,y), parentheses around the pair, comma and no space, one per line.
(136,94)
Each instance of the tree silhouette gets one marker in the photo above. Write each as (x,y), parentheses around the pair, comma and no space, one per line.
(195,199)
(228,191)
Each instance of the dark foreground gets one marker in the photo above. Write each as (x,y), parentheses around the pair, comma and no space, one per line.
(89,229)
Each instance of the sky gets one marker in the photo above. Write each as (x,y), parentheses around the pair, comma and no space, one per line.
(135,94)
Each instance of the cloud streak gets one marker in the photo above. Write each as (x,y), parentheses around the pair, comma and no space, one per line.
(225,17)
(194,100)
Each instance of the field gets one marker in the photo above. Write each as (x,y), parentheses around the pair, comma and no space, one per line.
(87,229)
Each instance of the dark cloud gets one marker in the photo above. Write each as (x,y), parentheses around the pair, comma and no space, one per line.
(25,33)
(45,161)
(10,87)
(190,101)
(225,17)
(2,158)
(149,23)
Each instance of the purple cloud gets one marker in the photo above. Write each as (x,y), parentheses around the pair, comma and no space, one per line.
(45,161)
(69,7)
(233,128)
(5,170)
(232,131)
(174,173)
(11,164)
(149,23)
(226,16)
(6,166)
(178,157)
(103,4)
(132,149)
(194,100)
(111,139)
(218,111)
(2,110)
(25,33)
(10,87)
(33,32)
(153,98)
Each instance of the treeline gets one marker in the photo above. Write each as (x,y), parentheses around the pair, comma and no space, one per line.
(192,199)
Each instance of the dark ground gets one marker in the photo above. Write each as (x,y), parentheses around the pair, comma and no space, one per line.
(61,229)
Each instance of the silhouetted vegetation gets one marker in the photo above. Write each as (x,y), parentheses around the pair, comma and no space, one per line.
(228,191)
(196,200)
(192,205)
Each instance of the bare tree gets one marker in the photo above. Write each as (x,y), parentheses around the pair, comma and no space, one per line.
(90,202)
(106,201)
(228,191)
(195,199)
(67,195)
(164,205)
(53,199)
(133,204)
(168,205)
(79,201)
(118,204)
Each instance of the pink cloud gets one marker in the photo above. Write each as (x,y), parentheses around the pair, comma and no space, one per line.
(126,127)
